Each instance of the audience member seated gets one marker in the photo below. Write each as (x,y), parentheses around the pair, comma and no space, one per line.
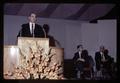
(103,62)
(78,61)
(98,57)
(88,71)
(107,64)
(83,63)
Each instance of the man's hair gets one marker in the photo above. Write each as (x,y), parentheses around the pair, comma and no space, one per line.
(79,46)
(102,46)
(106,51)
(32,13)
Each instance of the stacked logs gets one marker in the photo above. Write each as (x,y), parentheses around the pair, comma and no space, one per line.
(37,66)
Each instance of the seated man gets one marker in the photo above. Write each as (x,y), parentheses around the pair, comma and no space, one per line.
(88,65)
(103,61)
(106,63)
(78,60)
(98,57)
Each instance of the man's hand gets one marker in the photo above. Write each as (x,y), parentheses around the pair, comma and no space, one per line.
(81,59)
(104,60)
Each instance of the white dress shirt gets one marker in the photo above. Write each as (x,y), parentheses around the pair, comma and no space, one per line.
(80,58)
(102,55)
(79,54)
(30,24)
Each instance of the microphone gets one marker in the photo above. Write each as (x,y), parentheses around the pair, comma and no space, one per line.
(21,33)
(58,43)
(45,29)
(44,32)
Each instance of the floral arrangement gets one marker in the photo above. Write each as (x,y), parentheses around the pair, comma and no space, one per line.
(37,66)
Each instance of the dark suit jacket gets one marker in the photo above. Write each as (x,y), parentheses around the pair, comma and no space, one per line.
(25,31)
(98,60)
(75,62)
(76,56)
(85,57)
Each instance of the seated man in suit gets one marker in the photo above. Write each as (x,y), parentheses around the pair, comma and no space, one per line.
(98,57)
(31,29)
(107,64)
(87,65)
(78,59)
(103,61)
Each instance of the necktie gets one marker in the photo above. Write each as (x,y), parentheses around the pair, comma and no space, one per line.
(32,31)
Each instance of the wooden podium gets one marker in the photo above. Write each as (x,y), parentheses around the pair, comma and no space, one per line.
(33,58)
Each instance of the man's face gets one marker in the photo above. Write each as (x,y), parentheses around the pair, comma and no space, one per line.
(101,49)
(32,18)
(80,48)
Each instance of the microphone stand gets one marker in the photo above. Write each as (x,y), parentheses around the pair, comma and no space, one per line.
(19,35)
(44,32)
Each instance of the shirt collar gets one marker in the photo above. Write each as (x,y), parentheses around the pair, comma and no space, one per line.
(31,23)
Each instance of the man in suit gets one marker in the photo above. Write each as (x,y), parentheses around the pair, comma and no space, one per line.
(31,29)
(103,61)
(98,57)
(78,60)
(87,65)
(107,65)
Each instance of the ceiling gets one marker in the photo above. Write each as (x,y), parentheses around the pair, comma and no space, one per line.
(84,12)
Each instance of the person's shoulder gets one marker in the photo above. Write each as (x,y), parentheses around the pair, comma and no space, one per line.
(37,25)
(76,53)
(109,56)
(97,53)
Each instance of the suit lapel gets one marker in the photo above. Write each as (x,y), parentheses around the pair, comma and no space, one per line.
(35,28)
(29,29)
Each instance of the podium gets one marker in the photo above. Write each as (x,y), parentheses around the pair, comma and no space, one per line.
(33,58)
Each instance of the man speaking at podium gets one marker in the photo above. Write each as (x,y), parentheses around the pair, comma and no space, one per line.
(31,29)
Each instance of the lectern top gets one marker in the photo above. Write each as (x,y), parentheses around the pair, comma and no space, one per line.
(9,46)
(31,38)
